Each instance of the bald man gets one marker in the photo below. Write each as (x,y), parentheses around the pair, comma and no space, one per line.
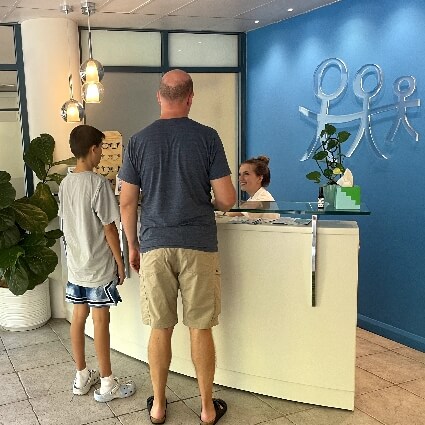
(175,162)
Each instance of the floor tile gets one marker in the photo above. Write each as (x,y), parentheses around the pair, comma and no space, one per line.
(124,366)
(285,407)
(177,414)
(5,364)
(38,355)
(137,401)
(19,413)
(279,421)
(89,349)
(12,389)
(377,339)
(26,338)
(2,347)
(243,408)
(66,409)
(411,353)
(326,416)
(392,366)
(49,379)
(186,386)
(367,382)
(365,347)
(416,387)
(61,327)
(393,406)
(111,421)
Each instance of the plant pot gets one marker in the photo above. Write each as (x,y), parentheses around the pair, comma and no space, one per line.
(24,312)
(342,198)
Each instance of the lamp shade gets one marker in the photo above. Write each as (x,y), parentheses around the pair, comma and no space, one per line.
(92,92)
(91,71)
(72,111)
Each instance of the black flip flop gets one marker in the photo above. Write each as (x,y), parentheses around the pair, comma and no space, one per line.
(149,403)
(220,407)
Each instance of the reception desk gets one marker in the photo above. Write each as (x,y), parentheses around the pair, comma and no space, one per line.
(271,340)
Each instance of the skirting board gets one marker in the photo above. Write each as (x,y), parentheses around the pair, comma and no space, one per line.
(403,337)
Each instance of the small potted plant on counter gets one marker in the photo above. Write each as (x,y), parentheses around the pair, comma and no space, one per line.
(329,158)
(26,257)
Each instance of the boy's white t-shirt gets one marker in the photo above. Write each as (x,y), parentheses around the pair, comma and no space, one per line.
(86,204)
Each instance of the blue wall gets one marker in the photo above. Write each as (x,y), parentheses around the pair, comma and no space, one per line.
(281,60)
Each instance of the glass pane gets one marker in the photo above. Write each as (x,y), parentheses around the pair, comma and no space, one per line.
(8,90)
(203,50)
(11,150)
(7,45)
(129,103)
(125,48)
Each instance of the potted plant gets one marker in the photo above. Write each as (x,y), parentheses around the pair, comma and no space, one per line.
(26,257)
(329,158)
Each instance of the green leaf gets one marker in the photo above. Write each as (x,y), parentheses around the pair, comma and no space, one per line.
(320,156)
(43,199)
(333,143)
(330,129)
(328,173)
(7,191)
(40,154)
(314,175)
(54,234)
(9,256)
(41,260)
(30,217)
(9,237)
(17,279)
(7,218)
(57,178)
(69,161)
(33,239)
(343,136)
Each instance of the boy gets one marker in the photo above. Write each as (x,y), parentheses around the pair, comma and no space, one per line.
(88,209)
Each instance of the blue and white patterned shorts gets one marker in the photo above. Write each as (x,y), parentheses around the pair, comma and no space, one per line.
(102,296)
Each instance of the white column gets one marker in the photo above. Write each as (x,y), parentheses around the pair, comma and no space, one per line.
(51,51)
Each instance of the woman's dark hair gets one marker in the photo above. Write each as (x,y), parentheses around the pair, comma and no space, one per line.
(82,138)
(261,168)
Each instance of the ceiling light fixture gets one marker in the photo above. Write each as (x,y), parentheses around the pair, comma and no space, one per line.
(72,111)
(256,21)
(91,71)
(290,9)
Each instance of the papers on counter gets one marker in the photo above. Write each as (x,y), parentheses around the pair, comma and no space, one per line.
(282,220)
(293,221)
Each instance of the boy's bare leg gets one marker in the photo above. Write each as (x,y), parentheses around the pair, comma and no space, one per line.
(203,357)
(78,323)
(102,339)
(159,353)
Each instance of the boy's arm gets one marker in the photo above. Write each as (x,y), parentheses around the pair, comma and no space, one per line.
(111,235)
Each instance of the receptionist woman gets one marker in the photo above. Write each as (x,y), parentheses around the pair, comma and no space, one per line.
(254,177)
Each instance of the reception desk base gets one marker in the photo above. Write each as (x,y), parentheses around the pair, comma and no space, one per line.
(271,340)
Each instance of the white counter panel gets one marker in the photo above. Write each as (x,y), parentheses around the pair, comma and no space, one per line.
(270,339)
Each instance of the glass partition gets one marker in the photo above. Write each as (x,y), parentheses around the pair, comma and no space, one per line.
(11,159)
(123,48)
(206,50)
(7,45)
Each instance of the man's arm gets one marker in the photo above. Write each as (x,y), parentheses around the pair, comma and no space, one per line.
(224,193)
(111,235)
(129,198)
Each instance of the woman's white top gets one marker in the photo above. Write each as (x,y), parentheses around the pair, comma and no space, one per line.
(261,195)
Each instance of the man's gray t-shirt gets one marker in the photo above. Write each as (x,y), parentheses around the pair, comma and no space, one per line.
(173,161)
(86,204)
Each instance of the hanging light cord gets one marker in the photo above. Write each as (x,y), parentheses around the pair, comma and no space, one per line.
(90,45)
(69,57)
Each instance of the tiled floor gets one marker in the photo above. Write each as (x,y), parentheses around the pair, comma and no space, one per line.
(36,373)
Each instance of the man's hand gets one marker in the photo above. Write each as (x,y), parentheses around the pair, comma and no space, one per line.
(121,274)
(134,257)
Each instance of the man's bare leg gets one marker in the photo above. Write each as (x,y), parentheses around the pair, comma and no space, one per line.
(159,354)
(203,357)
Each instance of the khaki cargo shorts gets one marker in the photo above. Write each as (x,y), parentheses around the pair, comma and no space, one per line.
(164,271)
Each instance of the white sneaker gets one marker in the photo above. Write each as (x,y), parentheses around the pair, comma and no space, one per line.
(92,380)
(119,390)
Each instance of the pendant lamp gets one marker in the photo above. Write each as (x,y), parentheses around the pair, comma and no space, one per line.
(91,71)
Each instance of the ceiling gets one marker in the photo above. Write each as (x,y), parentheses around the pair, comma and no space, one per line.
(190,15)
